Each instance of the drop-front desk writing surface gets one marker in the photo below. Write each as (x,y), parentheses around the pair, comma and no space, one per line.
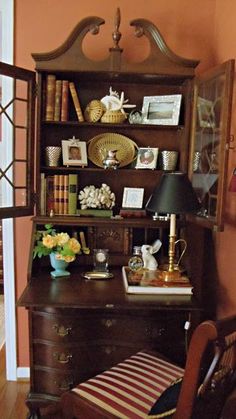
(81,327)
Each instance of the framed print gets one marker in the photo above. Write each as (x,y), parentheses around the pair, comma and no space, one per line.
(74,153)
(133,198)
(206,114)
(146,158)
(161,110)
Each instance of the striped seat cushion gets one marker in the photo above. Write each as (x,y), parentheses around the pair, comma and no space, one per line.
(129,389)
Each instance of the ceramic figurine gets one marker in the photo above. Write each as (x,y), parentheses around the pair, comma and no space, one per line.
(149,261)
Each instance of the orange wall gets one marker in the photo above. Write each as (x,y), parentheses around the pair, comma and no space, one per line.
(225,33)
(188,30)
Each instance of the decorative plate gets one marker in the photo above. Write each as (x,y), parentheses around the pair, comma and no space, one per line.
(99,146)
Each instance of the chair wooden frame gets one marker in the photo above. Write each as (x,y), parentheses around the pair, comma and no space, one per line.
(214,378)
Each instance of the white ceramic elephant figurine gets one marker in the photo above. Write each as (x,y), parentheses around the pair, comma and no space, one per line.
(149,261)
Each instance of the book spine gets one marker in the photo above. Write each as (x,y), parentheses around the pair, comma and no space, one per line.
(64,100)
(57,111)
(72,196)
(61,195)
(50,97)
(56,193)
(42,194)
(76,102)
(66,194)
(49,194)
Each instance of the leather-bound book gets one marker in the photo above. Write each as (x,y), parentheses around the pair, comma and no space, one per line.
(57,110)
(66,194)
(50,97)
(64,100)
(76,102)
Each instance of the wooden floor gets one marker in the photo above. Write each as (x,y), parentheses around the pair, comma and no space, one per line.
(13,394)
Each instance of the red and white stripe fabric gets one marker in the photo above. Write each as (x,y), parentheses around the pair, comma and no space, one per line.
(130,389)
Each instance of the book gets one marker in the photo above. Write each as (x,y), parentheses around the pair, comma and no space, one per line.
(66,194)
(132,213)
(72,194)
(64,100)
(57,110)
(61,194)
(56,193)
(76,102)
(147,282)
(49,194)
(42,194)
(91,212)
(50,97)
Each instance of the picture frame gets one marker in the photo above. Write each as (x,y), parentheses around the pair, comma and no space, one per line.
(147,158)
(161,110)
(206,114)
(74,152)
(133,198)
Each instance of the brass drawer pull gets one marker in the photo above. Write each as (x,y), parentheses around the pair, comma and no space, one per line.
(62,358)
(109,349)
(108,323)
(62,330)
(65,385)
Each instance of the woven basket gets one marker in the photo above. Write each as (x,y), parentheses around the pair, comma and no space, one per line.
(101,144)
(113,117)
(94,111)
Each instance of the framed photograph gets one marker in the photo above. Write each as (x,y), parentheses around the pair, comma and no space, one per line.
(147,158)
(206,114)
(133,198)
(161,110)
(74,153)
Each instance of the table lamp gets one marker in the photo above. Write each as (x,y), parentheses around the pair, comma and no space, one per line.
(173,195)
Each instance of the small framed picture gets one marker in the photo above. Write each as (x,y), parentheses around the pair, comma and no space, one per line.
(133,198)
(147,158)
(161,110)
(206,114)
(74,153)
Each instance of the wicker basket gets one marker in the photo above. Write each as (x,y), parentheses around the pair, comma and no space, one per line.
(94,111)
(113,117)
(101,144)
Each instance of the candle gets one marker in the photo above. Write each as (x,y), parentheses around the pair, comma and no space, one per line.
(172,224)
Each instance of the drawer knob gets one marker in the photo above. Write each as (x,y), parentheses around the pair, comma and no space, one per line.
(62,358)
(62,330)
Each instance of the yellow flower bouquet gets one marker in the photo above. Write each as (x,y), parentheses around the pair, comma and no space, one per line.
(61,244)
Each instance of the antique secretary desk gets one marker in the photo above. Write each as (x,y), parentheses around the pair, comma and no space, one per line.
(80,327)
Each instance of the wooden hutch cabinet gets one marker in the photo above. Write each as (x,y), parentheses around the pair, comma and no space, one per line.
(80,327)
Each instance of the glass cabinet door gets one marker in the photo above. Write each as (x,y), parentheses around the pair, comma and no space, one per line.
(210,142)
(17,114)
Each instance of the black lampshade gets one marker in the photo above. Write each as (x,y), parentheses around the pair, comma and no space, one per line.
(173,195)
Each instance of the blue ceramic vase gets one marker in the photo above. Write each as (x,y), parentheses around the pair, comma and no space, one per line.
(59,266)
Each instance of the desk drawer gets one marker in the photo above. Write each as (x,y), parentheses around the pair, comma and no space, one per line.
(67,329)
(89,359)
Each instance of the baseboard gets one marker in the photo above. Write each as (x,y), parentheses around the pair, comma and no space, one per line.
(22,373)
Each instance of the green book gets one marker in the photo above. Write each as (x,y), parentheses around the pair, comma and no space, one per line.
(95,212)
(73,192)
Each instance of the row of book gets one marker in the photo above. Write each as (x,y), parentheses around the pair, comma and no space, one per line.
(57,99)
(59,194)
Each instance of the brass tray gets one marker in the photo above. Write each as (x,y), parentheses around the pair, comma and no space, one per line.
(99,146)
(97,275)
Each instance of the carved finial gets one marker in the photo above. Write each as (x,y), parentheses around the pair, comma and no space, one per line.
(116,35)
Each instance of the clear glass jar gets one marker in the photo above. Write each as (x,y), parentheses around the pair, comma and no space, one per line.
(135,263)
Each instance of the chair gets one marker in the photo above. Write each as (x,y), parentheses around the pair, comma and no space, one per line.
(131,388)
